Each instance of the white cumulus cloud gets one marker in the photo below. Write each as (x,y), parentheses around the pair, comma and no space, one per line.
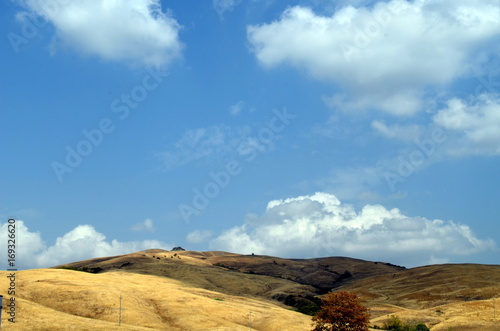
(81,243)
(320,225)
(135,31)
(382,56)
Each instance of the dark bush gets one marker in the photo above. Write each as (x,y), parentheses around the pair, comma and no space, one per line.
(308,305)
(396,324)
(421,327)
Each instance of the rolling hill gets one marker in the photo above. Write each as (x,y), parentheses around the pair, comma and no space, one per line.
(188,290)
(456,296)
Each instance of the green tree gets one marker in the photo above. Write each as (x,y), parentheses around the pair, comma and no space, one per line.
(341,311)
(394,323)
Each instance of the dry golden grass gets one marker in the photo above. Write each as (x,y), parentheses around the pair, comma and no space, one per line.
(245,275)
(197,270)
(50,299)
(165,290)
(476,315)
(459,297)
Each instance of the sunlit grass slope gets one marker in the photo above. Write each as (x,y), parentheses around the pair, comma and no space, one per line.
(450,296)
(52,299)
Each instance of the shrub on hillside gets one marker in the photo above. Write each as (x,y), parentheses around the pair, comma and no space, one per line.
(341,311)
(308,305)
(421,327)
(396,324)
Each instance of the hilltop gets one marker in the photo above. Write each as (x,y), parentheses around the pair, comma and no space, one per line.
(319,274)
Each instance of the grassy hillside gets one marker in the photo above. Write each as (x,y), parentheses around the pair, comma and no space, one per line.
(185,290)
(457,296)
(51,299)
(195,269)
(304,276)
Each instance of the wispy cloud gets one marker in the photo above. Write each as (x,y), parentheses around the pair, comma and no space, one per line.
(146,225)
(224,6)
(216,143)
(198,236)
(369,181)
(237,108)
(406,133)
(359,183)
(203,143)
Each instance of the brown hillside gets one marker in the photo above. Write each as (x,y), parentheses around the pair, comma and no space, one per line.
(297,276)
(195,269)
(457,296)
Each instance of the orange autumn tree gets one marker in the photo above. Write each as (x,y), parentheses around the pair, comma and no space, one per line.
(341,311)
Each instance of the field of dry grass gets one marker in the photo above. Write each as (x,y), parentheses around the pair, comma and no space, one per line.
(196,269)
(165,290)
(263,276)
(456,297)
(50,299)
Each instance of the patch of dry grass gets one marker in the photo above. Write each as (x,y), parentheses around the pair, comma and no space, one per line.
(51,299)
(197,270)
(459,297)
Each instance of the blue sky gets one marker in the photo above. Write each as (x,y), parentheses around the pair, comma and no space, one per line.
(368,129)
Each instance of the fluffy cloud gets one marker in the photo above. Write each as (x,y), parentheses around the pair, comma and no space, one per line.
(320,225)
(81,243)
(382,56)
(476,124)
(135,31)
(473,125)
